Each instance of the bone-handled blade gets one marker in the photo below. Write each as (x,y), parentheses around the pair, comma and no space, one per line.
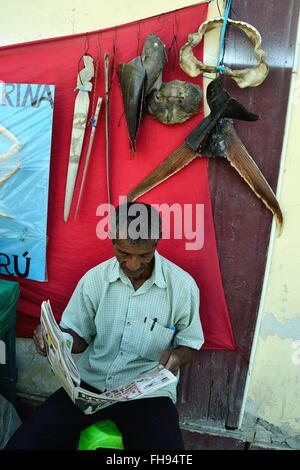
(81,109)
(78,131)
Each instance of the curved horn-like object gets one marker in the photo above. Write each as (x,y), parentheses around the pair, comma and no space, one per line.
(132,78)
(153,57)
(225,142)
(221,105)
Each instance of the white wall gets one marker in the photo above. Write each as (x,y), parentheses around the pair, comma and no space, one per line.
(28,20)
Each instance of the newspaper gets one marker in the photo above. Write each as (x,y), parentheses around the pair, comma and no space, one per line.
(59,346)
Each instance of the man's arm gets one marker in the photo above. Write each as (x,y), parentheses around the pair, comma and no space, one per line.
(172,359)
(79,344)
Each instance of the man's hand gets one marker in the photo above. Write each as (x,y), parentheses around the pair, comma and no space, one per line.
(172,359)
(79,345)
(39,341)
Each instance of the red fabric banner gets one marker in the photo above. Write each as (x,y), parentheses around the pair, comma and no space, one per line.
(73,247)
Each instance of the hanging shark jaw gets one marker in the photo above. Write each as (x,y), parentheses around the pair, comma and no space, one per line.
(248,77)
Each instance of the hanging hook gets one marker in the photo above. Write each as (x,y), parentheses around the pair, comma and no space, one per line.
(138,38)
(99,46)
(86,44)
(159,18)
(113,62)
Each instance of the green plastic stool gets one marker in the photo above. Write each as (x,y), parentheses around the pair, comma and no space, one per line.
(101,435)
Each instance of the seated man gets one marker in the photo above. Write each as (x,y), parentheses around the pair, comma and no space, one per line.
(126,316)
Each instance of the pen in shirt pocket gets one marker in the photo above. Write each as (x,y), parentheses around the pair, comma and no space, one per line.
(173,328)
(153,324)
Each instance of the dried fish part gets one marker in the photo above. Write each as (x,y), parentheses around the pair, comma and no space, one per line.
(132,79)
(137,79)
(174,102)
(221,105)
(153,57)
(251,76)
(216,137)
(225,142)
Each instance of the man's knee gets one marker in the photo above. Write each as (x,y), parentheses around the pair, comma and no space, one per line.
(153,424)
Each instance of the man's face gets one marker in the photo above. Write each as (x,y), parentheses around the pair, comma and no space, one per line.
(135,260)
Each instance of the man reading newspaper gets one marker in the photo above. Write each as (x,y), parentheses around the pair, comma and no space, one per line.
(58,346)
(127,316)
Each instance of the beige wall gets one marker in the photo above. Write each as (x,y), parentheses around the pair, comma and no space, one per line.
(272,391)
(27,20)
(274,381)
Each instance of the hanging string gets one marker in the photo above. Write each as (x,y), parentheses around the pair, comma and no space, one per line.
(221,68)
(78,70)
(86,47)
(162,24)
(113,70)
(99,41)
(120,119)
(219,8)
(174,44)
(94,104)
(138,38)
(174,47)
(86,44)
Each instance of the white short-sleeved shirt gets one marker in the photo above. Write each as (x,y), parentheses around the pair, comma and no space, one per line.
(118,323)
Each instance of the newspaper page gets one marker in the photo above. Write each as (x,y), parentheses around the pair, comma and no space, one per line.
(65,369)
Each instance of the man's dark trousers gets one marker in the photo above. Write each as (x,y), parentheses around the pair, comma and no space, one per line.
(145,424)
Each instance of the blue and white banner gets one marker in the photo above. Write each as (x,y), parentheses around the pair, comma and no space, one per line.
(26,112)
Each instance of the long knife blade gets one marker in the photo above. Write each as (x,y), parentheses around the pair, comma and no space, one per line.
(78,129)
(94,125)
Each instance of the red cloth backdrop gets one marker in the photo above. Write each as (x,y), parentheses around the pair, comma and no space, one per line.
(73,247)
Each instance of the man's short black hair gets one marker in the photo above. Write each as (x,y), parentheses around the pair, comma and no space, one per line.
(136,222)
